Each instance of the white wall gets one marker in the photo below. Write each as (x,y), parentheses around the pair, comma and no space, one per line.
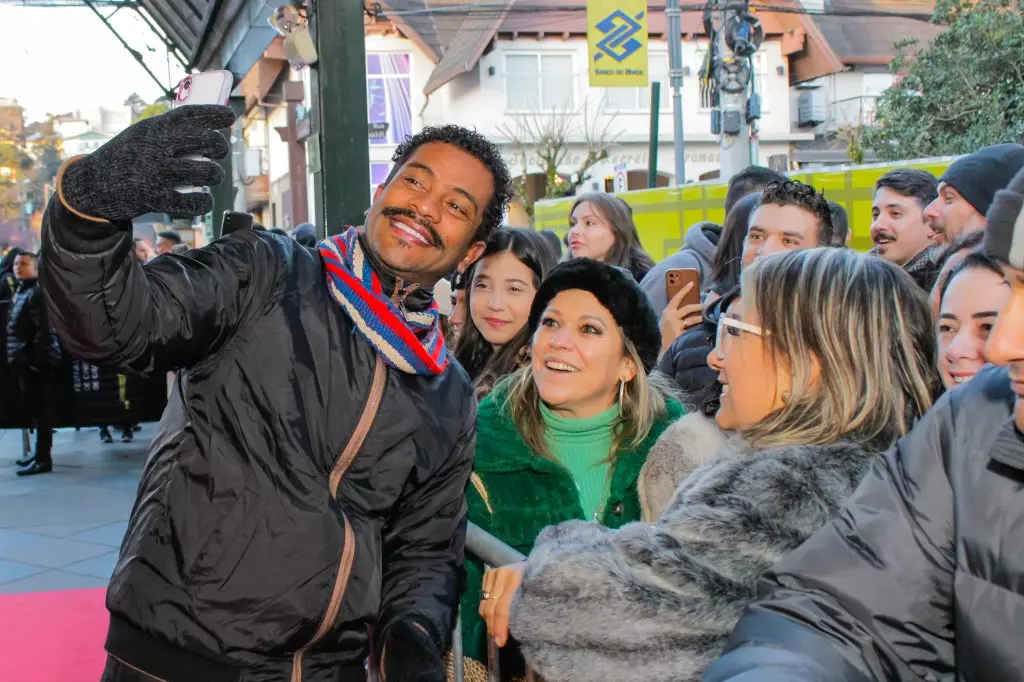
(842,94)
(478,99)
(277,149)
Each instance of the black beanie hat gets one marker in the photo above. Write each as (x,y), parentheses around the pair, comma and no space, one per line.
(616,290)
(1004,224)
(979,176)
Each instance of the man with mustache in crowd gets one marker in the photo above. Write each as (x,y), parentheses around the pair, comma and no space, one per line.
(302,508)
(898,226)
(967,188)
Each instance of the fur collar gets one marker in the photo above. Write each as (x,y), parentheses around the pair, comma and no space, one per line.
(683,448)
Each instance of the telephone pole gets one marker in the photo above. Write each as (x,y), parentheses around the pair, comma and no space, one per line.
(737,36)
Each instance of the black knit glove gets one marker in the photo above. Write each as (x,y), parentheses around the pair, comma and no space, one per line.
(137,171)
(410,655)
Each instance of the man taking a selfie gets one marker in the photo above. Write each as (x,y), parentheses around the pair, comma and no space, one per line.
(302,506)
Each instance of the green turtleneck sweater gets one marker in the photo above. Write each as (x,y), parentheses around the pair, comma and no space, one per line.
(582,447)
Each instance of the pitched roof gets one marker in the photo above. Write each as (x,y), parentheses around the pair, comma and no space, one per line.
(870,40)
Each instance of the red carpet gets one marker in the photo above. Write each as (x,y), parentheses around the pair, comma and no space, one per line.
(52,636)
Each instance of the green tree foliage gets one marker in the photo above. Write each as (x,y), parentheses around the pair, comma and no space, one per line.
(161,106)
(963,91)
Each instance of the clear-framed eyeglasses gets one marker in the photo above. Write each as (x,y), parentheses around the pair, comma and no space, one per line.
(731,327)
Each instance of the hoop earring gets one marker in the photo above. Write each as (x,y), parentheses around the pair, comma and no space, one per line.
(622,391)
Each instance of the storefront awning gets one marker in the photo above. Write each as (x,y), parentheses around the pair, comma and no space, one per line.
(215,34)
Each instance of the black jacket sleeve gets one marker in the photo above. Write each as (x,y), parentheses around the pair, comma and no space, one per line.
(424,543)
(39,350)
(686,361)
(869,597)
(171,313)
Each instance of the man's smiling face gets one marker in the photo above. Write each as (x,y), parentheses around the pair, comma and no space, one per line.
(425,220)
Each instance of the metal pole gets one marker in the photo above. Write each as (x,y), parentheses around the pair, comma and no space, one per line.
(652,151)
(735,146)
(339,149)
(755,152)
(675,72)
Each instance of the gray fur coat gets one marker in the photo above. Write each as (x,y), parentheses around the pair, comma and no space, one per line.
(656,602)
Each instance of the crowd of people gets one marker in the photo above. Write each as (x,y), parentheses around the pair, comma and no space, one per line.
(787,480)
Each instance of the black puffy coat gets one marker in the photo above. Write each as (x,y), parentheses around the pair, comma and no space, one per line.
(686,361)
(30,340)
(921,575)
(260,547)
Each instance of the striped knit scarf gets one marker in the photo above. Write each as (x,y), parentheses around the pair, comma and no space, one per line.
(411,342)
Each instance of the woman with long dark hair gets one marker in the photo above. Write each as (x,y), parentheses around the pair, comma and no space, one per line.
(499,292)
(601,227)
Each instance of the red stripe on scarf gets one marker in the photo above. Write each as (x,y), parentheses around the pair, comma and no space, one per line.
(385,314)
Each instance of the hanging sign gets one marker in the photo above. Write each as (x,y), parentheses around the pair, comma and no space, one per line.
(617,42)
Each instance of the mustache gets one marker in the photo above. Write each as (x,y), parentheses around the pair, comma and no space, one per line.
(877,234)
(435,237)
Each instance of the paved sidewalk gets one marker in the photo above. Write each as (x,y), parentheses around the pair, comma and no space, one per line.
(62,530)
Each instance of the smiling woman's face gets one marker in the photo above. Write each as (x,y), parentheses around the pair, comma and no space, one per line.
(753,382)
(578,356)
(969,310)
(502,292)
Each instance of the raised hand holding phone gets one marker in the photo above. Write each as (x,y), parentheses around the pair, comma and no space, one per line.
(209,87)
(684,309)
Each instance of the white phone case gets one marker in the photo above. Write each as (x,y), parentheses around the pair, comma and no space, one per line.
(209,87)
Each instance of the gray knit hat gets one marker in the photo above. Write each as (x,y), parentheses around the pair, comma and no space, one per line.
(1004,225)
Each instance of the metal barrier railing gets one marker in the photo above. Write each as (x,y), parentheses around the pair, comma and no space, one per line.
(493,552)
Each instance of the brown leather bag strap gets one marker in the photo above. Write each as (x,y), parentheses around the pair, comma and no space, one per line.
(355,441)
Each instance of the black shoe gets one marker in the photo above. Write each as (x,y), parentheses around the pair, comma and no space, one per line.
(127,435)
(105,435)
(25,461)
(37,468)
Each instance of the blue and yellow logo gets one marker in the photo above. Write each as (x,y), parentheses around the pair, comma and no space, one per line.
(617,40)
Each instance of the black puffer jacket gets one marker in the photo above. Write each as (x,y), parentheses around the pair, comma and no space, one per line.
(261,548)
(30,342)
(921,574)
(686,361)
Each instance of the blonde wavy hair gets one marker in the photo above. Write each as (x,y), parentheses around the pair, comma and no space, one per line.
(644,401)
(869,328)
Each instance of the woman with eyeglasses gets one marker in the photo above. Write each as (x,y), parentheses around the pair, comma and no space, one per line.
(566,436)
(825,360)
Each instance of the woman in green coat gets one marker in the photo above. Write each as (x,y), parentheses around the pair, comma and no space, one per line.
(566,437)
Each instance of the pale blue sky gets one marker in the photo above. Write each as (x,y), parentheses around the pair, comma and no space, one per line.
(55,60)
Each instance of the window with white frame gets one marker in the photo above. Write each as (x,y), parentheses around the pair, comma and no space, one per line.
(639,99)
(761,80)
(378,175)
(539,81)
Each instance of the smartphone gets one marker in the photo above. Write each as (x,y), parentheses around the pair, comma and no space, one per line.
(678,278)
(233,221)
(209,87)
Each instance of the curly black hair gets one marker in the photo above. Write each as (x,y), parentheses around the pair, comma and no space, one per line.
(796,193)
(480,147)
